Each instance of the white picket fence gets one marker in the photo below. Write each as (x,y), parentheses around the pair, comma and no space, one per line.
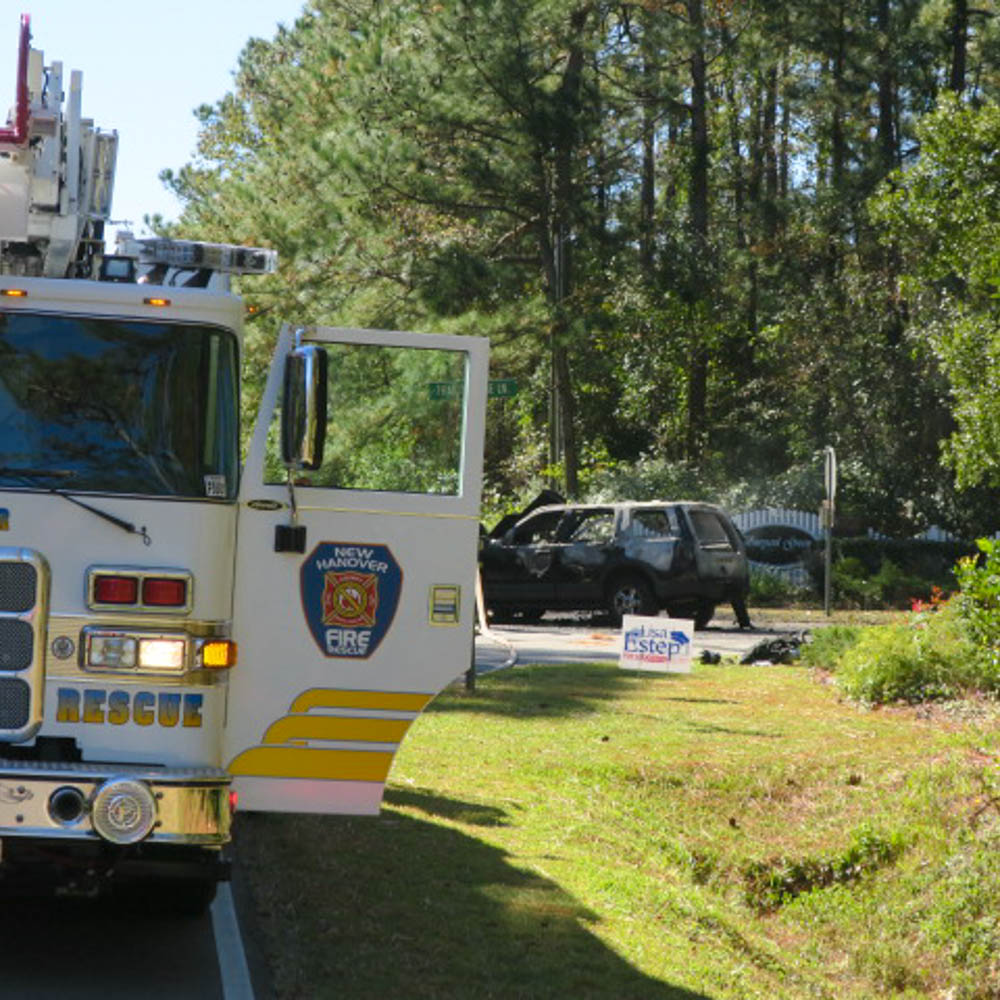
(782,517)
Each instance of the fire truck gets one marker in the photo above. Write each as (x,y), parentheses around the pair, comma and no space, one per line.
(193,619)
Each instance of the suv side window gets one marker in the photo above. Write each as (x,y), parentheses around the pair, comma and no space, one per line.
(539,528)
(655,522)
(709,530)
(594,527)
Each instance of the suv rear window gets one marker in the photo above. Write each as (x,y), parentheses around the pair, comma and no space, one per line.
(655,523)
(709,530)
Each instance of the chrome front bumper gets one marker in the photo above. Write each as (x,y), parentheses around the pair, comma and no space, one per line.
(192,804)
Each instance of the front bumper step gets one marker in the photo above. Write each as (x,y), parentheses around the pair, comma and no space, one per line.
(192,804)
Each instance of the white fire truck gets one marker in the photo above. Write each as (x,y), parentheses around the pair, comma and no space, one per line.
(183,633)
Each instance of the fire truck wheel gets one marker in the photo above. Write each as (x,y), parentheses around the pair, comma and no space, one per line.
(171,897)
(188,897)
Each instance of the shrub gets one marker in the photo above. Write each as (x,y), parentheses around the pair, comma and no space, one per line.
(852,584)
(770,590)
(878,572)
(827,645)
(979,599)
(929,657)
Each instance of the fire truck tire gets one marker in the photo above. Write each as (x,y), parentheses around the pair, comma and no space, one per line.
(189,897)
(170,897)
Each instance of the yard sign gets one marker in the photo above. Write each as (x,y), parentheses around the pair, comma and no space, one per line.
(659,644)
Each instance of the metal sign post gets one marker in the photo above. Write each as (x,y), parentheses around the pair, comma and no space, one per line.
(827,515)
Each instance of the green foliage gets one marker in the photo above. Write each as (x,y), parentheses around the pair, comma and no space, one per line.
(890,587)
(776,881)
(943,215)
(827,645)
(853,584)
(694,300)
(967,924)
(929,657)
(978,601)
(888,573)
(770,590)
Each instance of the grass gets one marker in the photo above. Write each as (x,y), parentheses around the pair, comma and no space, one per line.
(579,831)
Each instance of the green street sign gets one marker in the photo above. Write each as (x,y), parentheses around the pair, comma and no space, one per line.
(501,388)
(496,388)
(446,390)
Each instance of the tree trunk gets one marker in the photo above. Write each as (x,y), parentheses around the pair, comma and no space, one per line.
(697,383)
(887,142)
(959,45)
(566,139)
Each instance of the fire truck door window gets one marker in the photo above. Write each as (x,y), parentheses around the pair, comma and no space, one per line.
(394,421)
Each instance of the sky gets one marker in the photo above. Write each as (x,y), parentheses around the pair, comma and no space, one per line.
(145,67)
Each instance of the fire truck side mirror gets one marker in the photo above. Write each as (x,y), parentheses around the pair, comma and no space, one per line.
(303,408)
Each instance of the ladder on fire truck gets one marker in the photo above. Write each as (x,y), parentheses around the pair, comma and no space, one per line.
(56,174)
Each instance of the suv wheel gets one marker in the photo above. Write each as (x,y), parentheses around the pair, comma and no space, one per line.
(704,614)
(630,595)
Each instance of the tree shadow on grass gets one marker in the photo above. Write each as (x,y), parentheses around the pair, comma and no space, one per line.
(394,906)
(550,691)
(429,802)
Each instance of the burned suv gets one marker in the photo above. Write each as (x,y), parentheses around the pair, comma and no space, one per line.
(624,558)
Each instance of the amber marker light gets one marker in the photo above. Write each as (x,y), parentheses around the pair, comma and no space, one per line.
(14,293)
(155,301)
(218,654)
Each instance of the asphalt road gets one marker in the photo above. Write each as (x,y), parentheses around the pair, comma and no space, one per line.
(81,949)
(572,638)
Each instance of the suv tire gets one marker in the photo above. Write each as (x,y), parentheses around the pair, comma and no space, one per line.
(630,595)
(704,614)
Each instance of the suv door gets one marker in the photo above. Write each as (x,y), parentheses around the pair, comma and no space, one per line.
(584,551)
(517,570)
(717,554)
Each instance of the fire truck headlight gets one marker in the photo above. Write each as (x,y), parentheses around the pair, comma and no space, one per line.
(116,652)
(161,654)
(123,811)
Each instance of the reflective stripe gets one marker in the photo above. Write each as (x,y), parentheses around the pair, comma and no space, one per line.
(332,698)
(305,762)
(336,727)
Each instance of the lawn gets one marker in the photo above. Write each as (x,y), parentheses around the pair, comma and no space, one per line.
(578,831)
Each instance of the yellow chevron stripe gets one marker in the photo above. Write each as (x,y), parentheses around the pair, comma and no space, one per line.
(397,701)
(336,727)
(305,762)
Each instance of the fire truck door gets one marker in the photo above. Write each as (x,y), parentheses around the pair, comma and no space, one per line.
(343,643)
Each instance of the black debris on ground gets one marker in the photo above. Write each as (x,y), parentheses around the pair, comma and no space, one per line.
(780,649)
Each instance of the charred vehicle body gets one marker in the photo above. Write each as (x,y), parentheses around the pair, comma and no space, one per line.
(622,558)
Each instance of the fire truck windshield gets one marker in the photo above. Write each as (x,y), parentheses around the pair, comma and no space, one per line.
(118,406)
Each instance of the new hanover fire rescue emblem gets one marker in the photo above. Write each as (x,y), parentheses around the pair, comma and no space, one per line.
(350,592)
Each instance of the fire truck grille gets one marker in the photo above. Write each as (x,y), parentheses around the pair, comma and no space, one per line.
(15,701)
(16,642)
(18,582)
